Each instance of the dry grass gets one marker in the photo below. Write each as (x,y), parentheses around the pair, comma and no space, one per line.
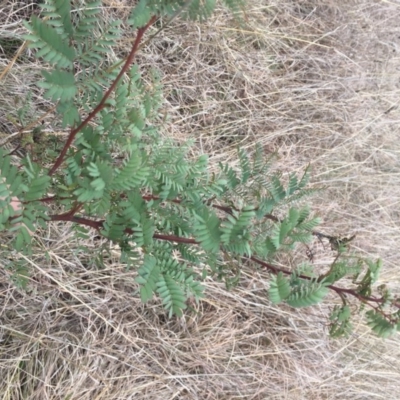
(315,81)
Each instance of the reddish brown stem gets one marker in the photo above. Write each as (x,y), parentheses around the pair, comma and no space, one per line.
(68,217)
(228,210)
(53,198)
(274,269)
(102,103)
(173,238)
(79,220)
(338,290)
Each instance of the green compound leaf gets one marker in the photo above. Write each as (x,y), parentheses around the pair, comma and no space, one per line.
(140,15)
(307,294)
(52,46)
(340,322)
(380,325)
(132,174)
(59,85)
(148,277)
(279,288)
(37,188)
(172,295)
(207,230)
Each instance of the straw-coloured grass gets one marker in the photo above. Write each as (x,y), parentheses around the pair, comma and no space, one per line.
(315,81)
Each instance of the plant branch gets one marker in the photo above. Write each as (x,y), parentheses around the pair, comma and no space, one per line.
(102,103)
(79,220)
(340,291)
(274,269)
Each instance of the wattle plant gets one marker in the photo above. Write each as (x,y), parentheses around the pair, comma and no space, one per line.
(173,219)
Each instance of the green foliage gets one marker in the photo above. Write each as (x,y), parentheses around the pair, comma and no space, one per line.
(53,47)
(174,221)
(236,233)
(19,270)
(60,85)
(141,14)
(200,9)
(307,294)
(380,324)
(279,288)
(340,321)
(207,231)
(172,295)
(148,277)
